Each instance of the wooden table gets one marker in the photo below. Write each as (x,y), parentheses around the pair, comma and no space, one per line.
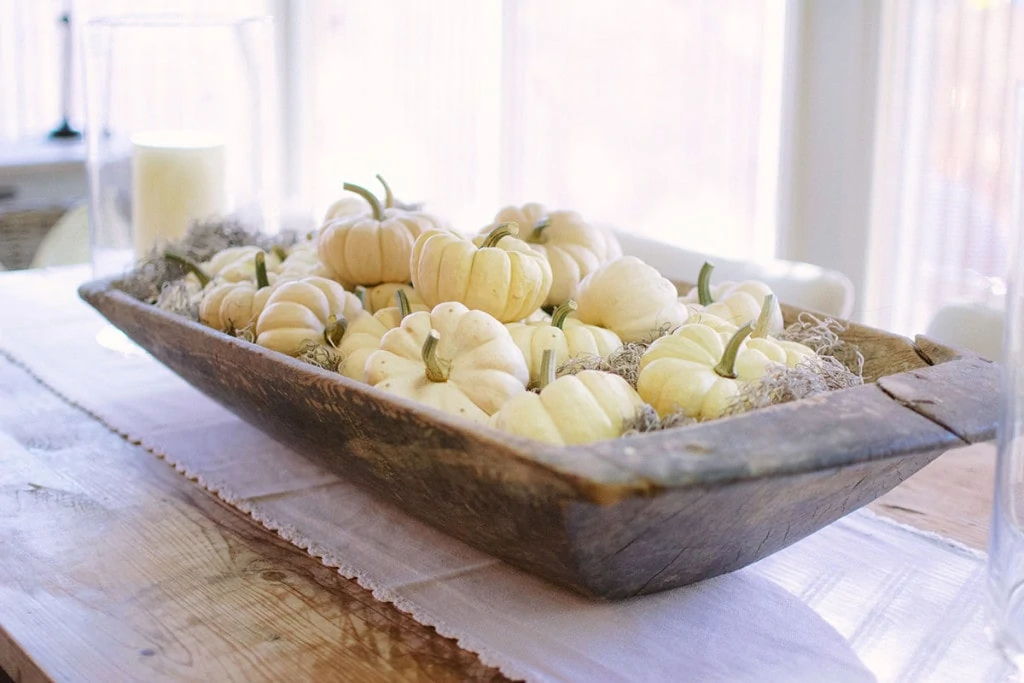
(115,567)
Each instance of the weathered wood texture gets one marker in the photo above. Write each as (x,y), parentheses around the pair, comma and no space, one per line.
(114,567)
(952,496)
(753,483)
(960,395)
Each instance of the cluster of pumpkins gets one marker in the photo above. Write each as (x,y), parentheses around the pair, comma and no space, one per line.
(458,323)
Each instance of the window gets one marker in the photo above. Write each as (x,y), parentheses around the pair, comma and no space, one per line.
(944,159)
(871,137)
(650,116)
(31,53)
(30,68)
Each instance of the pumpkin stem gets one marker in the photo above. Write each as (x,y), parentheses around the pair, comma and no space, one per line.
(704,284)
(404,307)
(375,205)
(391,203)
(364,296)
(537,234)
(547,369)
(764,318)
(261,270)
(562,312)
(503,230)
(189,266)
(437,370)
(727,366)
(389,196)
(280,252)
(335,330)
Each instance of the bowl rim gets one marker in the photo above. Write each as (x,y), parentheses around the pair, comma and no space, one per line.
(607,471)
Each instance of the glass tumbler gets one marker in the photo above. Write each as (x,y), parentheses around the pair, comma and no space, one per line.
(180,127)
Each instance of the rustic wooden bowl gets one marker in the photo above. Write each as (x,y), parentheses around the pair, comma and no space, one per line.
(613,519)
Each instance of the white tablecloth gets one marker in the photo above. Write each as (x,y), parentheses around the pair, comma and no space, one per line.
(862,599)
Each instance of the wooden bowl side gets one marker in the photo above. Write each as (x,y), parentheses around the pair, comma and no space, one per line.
(468,484)
(688,534)
(611,519)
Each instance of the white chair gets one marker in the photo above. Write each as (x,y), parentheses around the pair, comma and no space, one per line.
(972,325)
(799,284)
(67,242)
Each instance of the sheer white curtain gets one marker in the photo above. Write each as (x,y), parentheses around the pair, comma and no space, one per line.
(407,89)
(654,115)
(30,68)
(31,46)
(943,167)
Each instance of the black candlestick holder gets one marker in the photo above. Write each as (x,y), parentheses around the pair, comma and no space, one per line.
(65,131)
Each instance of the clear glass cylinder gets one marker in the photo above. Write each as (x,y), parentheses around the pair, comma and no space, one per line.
(180,127)
(1006,541)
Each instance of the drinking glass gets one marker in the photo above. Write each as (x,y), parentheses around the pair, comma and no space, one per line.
(180,127)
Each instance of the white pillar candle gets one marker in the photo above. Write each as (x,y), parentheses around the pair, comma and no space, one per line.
(178,176)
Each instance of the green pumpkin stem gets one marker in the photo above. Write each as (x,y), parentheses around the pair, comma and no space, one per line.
(261,270)
(764,318)
(375,205)
(562,312)
(727,366)
(503,230)
(547,369)
(704,284)
(335,330)
(364,296)
(389,196)
(189,266)
(280,252)
(404,307)
(436,368)
(537,234)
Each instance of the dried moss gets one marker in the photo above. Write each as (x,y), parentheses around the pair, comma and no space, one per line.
(624,362)
(647,420)
(823,335)
(180,297)
(319,355)
(813,377)
(146,281)
(204,239)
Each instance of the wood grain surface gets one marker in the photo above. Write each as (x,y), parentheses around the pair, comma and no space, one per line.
(114,567)
(952,496)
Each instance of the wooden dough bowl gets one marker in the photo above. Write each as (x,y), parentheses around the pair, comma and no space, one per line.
(617,518)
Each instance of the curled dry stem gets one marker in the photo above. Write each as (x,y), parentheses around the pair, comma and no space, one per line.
(497,234)
(335,330)
(375,206)
(436,369)
(248,333)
